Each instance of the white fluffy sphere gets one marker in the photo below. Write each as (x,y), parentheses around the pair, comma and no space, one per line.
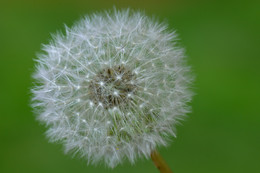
(112,87)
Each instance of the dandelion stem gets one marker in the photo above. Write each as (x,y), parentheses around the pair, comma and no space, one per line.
(160,163)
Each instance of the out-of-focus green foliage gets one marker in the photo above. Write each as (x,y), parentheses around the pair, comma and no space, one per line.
(222,43)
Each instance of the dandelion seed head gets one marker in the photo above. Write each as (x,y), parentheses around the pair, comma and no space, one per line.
(112,87)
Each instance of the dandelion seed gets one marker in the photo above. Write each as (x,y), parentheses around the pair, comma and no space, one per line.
(112,87)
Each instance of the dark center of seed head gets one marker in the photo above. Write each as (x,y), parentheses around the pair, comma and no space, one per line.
(113,86)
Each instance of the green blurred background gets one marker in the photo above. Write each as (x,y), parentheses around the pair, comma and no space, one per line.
(222,39)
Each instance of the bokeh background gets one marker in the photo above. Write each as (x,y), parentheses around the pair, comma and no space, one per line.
(222,39)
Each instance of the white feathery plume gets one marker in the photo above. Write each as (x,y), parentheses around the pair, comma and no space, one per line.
(112,87)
